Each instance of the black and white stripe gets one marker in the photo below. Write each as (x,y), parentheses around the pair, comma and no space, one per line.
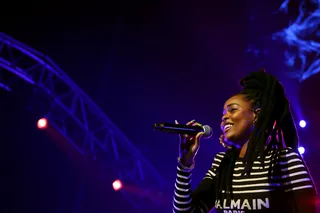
(283,169)
(294,174)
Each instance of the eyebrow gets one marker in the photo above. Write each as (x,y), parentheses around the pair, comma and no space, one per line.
(229,105)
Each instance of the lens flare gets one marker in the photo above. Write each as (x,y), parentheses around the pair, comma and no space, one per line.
(117,185)
(42,123)
(302,123)
(301,150)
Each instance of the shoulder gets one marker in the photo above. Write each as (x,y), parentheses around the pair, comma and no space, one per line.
(218,158)
(294,173)
(291,162)
(215,164)
(220,155)
(288,150)
(288,157)
(288,153)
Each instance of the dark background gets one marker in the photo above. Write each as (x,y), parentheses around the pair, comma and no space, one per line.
(141,62)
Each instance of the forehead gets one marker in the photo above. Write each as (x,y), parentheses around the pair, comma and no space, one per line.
(237,100)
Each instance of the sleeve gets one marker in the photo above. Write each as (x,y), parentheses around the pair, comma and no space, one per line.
(297,182)
(202,199)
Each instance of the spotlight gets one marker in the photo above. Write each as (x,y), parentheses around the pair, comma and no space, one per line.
(117,185)
(302,123)
(42,123)
(301,150)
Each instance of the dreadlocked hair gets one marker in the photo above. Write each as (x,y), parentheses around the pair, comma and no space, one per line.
(274,126)
(274,121)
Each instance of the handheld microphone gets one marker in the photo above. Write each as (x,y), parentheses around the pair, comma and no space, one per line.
(183,129)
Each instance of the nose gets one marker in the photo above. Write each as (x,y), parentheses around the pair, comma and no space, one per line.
(225,117)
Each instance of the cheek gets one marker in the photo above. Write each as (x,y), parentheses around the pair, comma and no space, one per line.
(246,126)
(243,117)
(240,132)
(243,121)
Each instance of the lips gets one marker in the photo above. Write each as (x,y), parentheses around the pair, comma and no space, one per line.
(227,127)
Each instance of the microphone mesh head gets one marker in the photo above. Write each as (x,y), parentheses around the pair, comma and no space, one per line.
(207,131)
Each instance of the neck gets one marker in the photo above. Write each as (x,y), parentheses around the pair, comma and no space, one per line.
(243,150)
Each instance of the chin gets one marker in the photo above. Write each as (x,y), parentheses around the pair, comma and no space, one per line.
(229,137)
(232,139)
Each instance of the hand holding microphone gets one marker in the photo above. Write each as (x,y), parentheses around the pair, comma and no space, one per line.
(190,135)
(189,145)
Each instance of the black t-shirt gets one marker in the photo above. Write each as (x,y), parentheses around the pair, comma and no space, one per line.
(281,185)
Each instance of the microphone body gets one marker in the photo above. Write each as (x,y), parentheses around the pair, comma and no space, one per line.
(183,129)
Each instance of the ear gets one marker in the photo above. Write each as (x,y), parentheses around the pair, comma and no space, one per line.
(256,112)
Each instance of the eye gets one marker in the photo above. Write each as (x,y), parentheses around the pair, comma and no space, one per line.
(233,109)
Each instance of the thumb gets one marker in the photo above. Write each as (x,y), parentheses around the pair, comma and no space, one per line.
(198,137)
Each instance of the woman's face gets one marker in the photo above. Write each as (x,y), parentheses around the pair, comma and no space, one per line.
(237,120)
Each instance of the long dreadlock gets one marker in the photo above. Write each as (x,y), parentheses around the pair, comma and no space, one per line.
(275,118)
(274,123)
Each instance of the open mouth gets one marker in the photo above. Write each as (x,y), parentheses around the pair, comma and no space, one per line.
(227,127)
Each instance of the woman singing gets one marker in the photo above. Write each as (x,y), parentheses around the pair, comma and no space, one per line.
(261,171)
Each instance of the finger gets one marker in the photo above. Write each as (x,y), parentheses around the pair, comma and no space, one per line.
(197,124)
(185,136)
(176,122)
(191,122)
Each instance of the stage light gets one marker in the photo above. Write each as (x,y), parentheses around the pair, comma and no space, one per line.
(301,150)
(42,123)
(302,123)
(117,185)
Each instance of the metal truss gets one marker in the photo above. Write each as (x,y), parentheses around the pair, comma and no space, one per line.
(76,116)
